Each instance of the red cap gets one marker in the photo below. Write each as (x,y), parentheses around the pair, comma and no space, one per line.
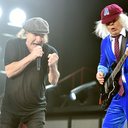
(110,12)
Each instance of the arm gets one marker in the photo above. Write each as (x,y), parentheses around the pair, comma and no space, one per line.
(16,67)
(53,75)
(102,69)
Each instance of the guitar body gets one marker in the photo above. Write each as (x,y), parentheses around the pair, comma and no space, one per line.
(107,97)
(113,88)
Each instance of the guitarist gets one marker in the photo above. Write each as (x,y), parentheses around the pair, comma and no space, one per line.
(113,22)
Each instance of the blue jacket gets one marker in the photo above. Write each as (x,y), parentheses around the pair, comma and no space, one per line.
(107,58)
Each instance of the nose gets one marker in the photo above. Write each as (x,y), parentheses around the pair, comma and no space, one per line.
(38,39)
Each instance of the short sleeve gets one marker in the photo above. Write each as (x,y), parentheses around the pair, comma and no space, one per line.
(11,52)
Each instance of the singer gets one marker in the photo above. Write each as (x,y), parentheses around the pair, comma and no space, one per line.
(29,60)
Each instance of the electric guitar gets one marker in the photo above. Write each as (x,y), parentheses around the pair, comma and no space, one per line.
(111,86)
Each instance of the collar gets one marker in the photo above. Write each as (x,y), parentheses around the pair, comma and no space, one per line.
(123,32)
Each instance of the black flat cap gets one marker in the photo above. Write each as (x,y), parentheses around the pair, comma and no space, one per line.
(36,25)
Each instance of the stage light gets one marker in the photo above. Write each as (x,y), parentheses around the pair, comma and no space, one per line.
(73,96)
(80,88)
(17,17)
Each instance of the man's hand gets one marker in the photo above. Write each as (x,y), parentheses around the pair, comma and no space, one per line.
(100,77)
(37,52)
(52,59)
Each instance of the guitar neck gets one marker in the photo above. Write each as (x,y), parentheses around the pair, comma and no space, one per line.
(118,66)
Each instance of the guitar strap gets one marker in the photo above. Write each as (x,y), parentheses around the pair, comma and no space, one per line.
(123,44)
(122,52)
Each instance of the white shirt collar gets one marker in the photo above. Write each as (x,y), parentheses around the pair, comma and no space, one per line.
(123,32)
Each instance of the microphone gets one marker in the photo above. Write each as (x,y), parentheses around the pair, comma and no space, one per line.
(38,63)
(38,60)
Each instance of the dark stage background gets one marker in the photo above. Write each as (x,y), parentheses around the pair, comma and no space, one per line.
(71,30)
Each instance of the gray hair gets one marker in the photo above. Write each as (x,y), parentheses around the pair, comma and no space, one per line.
(101,29)
(22,34)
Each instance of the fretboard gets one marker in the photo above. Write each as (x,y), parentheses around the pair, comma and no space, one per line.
(118,66)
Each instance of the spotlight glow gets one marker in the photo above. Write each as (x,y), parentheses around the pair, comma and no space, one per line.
(17,17)
(73,96)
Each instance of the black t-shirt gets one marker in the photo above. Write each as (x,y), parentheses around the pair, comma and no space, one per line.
(25,93)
